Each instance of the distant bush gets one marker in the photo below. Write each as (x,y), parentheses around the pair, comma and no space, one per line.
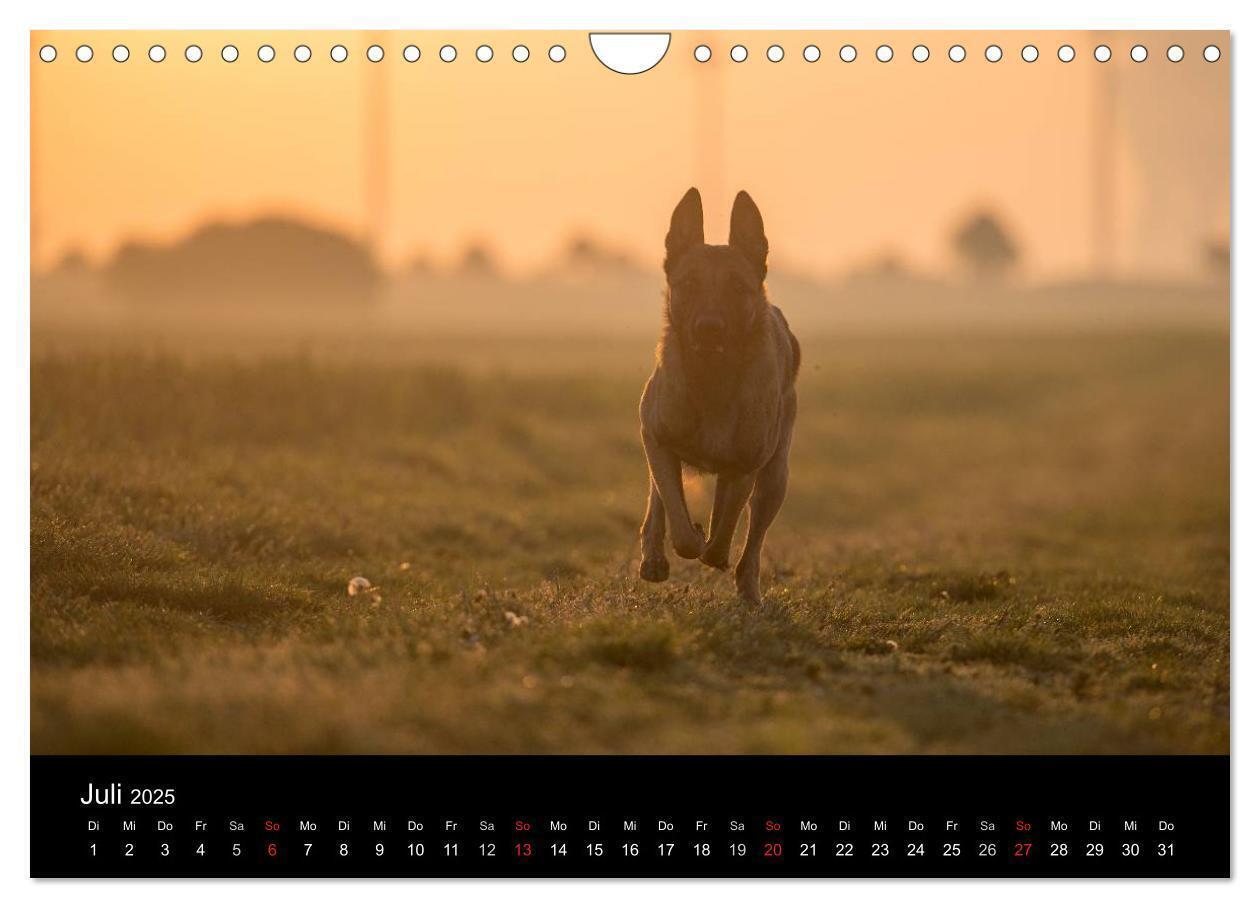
(1216,258)
(478,261)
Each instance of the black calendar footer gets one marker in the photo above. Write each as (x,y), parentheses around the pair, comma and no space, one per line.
(622,816)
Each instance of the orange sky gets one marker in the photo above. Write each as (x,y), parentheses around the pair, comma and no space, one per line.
(847,161)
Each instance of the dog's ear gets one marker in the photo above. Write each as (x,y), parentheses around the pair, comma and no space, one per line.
(686,228)
(748,233)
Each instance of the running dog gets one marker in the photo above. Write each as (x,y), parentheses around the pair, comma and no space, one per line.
(722,397)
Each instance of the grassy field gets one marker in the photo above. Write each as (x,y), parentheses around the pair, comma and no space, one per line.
(992,545)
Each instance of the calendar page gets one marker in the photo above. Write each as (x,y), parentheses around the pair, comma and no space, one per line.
(692,453)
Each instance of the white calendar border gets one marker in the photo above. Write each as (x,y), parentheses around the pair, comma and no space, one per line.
(1241,17)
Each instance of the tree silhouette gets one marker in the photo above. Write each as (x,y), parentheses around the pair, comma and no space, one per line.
(587,253)
(478,261)
(984,246)
(270,261)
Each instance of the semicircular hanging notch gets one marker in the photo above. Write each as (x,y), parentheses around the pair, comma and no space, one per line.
(629,53)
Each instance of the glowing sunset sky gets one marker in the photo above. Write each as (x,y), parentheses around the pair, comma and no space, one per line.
(848,161)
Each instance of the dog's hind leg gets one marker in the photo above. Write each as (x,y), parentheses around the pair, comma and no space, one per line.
(729,498)
(654,566)
(666,469)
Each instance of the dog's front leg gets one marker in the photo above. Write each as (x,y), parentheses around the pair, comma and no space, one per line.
(666,470)
(654,566)
(729,498)
(767,497)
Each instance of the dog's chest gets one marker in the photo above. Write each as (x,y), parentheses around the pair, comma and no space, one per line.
(734,434)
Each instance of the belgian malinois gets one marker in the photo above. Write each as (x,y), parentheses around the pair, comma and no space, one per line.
(722,398)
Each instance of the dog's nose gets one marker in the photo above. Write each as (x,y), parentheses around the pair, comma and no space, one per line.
(708,328)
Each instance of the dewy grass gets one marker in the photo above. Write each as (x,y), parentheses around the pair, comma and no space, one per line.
(1014,545)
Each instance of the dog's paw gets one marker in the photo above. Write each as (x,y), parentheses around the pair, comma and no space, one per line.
(717,560)
(691,546)
(749,585)
(654,570)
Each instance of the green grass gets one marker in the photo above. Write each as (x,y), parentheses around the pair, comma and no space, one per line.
(989,545)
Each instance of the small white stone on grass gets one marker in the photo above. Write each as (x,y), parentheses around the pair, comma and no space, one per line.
(358,585)
(516,620)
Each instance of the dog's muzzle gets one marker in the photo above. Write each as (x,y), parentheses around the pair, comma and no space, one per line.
(708,334)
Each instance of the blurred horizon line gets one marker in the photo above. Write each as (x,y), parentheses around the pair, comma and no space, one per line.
(485,255)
